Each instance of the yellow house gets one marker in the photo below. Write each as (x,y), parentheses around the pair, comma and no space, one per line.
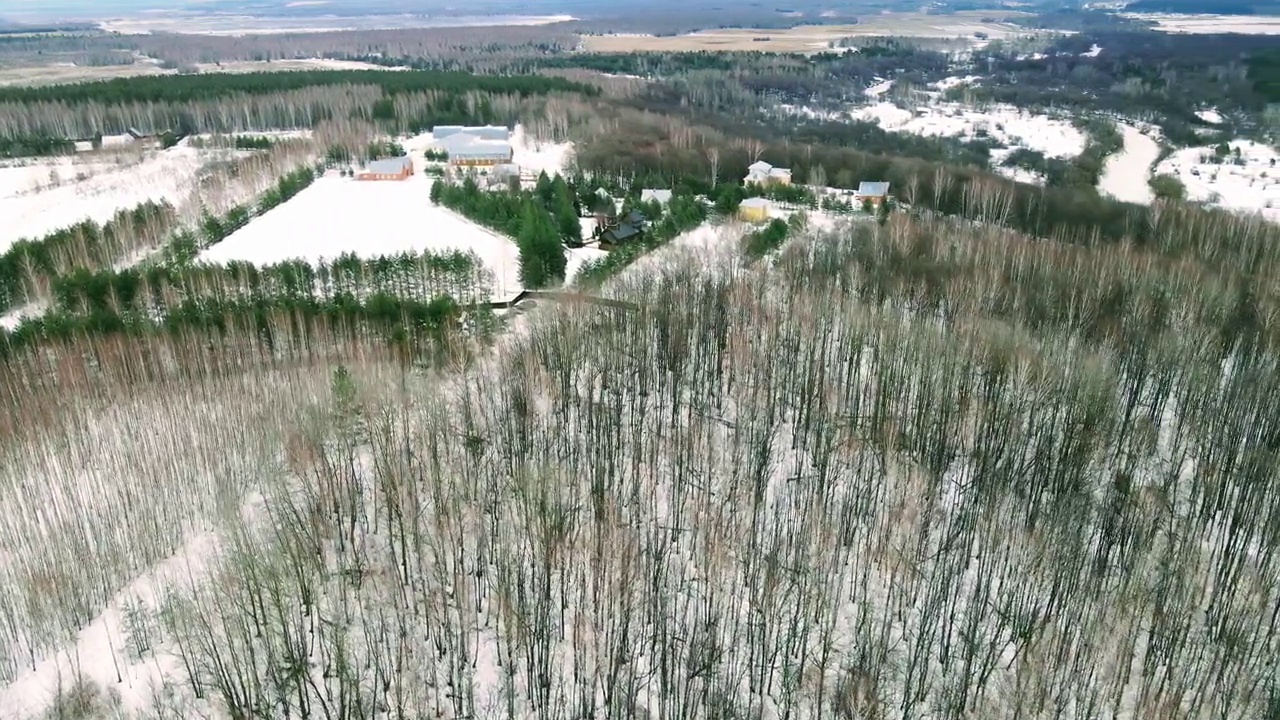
(754,209)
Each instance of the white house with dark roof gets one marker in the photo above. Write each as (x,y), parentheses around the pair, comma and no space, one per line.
(762,173)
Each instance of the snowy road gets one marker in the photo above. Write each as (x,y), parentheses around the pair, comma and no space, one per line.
(1125,175)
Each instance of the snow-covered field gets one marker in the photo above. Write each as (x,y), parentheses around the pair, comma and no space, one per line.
(339,215)
(1212,24)
(1251,186)
(38,198)
(1004,123)
(1126,173)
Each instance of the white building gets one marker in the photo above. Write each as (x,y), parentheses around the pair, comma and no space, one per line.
(762,173)
(662,197)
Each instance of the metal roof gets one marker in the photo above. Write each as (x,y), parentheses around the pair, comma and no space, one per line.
(468,145)
(873,189)
(388,167)
(484,132)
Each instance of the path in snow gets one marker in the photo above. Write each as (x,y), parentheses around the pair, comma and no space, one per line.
(1125,175)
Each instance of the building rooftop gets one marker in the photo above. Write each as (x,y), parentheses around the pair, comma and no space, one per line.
(389,166)
(873,189)
(755,202)
(468,145)
(662,196)
(484,132)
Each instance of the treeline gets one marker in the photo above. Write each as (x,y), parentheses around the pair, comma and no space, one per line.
(29,266)
(257,326)
(1081,171)
(35,146)
(541,222)
(212,86)
(160,290)
(1163,77)
(188,243)
(684,213)
(670,147)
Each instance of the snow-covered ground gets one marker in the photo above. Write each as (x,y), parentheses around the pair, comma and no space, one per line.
(954,81)
(1004,123)
(1094,51)
(1126,172)
(536,156)
(1211,24)
(339,215)
(38,198)
(1211,116)
(881,87)
(1250,186)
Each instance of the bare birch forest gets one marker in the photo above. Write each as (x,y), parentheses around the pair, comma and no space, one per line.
(931,469)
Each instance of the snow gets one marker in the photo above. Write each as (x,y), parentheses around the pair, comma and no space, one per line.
(577,258)
(1211,24)
(881,87)
(954,81)
(337,215)
(1094,51)
(537,156)
(33,205)
(1210,116)
(1125,174)
(1250,186)
(1004,123)
(99,652)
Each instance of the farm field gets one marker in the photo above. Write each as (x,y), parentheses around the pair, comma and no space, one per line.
(1211,24)
(39,197)
(816,38)
(339,215)
(1007,124)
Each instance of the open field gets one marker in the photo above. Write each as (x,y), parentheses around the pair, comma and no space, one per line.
(339,215)
(1212,24)
(69,73)
(227,24)
(39,197)
(815,38)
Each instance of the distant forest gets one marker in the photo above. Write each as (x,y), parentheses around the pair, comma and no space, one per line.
(191,88)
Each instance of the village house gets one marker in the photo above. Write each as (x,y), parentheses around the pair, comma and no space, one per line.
(393,169)
(627,229)
(662,197)
(875,193)
(762,173)
(754,209)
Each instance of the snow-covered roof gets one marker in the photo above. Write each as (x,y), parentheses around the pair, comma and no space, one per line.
(468,145)
(760,166)
(484,132)
(873,189)
(755,202)
(389,166)
(779,172)
(662,196)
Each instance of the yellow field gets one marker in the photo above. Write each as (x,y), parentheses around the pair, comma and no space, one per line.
(815,38)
